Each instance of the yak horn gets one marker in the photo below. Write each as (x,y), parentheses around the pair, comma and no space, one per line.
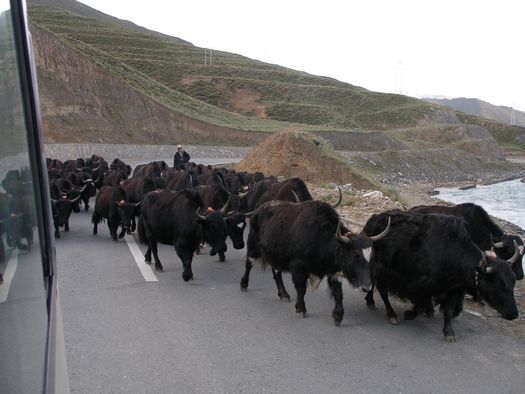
(199,215)
(296,196)
(75,200)
(516,254)
(225,207)
(340,198)
(383,234)
(496,244)
(338,233)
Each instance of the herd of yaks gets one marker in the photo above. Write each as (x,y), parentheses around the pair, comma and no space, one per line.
(429,255)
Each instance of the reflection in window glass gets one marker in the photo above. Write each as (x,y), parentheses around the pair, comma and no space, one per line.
(23,313)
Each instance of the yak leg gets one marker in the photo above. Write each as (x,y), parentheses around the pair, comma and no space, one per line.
(390,313)
(153,248)
(281,290)
(246,277)
(113,227)
(451,305)
(133,224)
(369,298)
(147,256)
(334,282)
(186,258)
(122,233)
(299,280)
(95,219)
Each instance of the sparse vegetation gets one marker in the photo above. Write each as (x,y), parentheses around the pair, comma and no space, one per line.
(161,68)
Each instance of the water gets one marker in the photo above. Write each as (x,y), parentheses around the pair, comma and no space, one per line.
(505,200)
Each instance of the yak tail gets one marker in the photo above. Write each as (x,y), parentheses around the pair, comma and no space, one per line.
(141,228)
(96,218)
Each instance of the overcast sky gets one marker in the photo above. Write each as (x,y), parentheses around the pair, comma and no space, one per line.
(452,48)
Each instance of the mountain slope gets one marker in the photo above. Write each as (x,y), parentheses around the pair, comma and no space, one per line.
(81,9)
(476,107)
(236,91)
(106,80)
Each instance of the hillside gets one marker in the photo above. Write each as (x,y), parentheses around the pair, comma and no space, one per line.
(476,107)
(236,92)
(104,80)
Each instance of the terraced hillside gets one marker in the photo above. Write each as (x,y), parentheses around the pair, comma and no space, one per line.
(235,91)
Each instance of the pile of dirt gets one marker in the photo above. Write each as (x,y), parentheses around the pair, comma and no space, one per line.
(300,154)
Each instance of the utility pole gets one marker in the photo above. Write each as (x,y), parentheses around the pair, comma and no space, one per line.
(399,71)
(512,117)
(208,57)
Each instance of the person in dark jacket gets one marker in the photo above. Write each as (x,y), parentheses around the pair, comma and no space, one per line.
(181,156)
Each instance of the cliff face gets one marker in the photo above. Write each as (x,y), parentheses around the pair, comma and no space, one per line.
(81,102)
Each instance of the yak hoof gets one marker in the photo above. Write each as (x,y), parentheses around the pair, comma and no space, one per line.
(285,299)
(187,276)
(393,320)
(148,262)
(244,288)
(371,306)
(450,338)
(303,314)
(158,267)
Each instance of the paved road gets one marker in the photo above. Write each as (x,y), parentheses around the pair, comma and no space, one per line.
(128,335)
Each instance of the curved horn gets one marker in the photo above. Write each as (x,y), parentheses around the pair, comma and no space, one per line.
(82,189)
(296,196)
(383,234)
(242,195)
(497,244)
(338,233)
(54,201)
(75,200)
(138,204)
(483,261)
(225,207)
(340,198)
(516,254)
(199,215)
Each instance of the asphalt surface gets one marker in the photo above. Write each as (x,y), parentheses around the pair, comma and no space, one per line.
(125,334)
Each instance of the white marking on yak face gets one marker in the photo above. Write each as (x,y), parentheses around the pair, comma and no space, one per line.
(490,253)
(367,253)
(521,248)
(314,282)
(240,225)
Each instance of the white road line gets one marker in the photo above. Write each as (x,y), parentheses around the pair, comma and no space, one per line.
(144,268)
(8,275)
